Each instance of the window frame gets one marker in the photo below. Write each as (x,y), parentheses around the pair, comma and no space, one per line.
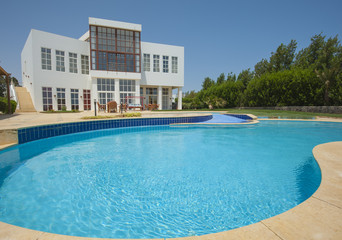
(156,63)
(165,64)
(60,61)
(74,98)
(84,64)
(45,54)
(73,62)
(124,48)
(47,105)
(61,100)
(147,62)
(174,64)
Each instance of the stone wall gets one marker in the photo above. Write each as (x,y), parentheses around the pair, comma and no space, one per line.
(317,109)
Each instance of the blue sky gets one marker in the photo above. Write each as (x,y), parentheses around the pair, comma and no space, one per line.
(218,36)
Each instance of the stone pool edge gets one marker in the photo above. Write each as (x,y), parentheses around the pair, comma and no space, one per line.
(319,217)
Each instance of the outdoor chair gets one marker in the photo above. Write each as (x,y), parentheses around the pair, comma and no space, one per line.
(112,106)
(101,107)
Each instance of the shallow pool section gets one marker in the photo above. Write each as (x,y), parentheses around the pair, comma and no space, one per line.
(223,118)
(159,182)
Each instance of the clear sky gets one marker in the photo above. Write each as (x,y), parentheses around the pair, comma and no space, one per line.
(219,36)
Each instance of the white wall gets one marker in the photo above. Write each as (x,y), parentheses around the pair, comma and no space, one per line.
(27,65)
(52,78)
(160,78)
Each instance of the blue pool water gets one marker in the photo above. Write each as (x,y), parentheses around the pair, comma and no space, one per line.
(159,182)
(221,118)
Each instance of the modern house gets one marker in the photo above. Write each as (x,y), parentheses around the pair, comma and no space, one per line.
(109,62)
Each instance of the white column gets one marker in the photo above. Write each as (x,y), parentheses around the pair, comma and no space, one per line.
(94,94)
(144,101)
(159,99)
(117,91)
(180,94)
(137,91)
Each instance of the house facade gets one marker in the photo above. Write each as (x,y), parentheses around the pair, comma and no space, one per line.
(108,63)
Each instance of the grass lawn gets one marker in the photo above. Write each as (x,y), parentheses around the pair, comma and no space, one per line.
(268,113)
(283,114)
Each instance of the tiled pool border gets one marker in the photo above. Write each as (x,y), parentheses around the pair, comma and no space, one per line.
(29,134)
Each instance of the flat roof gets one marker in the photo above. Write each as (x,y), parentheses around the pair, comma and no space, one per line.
(114,24)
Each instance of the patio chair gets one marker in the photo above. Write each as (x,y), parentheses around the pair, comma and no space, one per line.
(101,107)
(112,106)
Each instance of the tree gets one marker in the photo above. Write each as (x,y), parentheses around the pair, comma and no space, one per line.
(220,79)
(261,68)
(283,58)
(245,77)
(308,57)
(207,83)
(3,87)
(231,77)
(329,65)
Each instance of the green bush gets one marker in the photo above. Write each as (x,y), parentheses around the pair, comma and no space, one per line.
(4,106)
(286,88)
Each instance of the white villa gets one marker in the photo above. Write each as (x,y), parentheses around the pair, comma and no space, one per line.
(108,63)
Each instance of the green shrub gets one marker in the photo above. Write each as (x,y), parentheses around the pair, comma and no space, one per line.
(4,106)
(64,108)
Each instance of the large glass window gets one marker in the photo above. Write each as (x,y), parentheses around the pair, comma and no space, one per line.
(47,98)
(46,58)
(156,63)
(105,97)
(74,99)
(165,64)
(147,62)
(106,90)
(151,95)
(60,61)
(165,99)
(73,62)
(60,98)
(114,49)
(174,64)
(85,64)
(127,89)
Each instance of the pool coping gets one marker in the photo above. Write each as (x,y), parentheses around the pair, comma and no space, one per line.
(319,217)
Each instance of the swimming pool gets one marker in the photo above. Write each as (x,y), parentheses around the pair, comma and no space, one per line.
(151,182)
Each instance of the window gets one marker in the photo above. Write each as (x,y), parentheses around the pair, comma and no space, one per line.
(86,99)
(60,98)
(46,58)
(106,90)
(165,99)
(74,99)
(85,64)
(146,62)
(47,98)
(127,89)
(151,95)
(105,97)
(174,64)
(73,62)
(60,61)
(105,85)
(114,49)
(165,64)
(156,63)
